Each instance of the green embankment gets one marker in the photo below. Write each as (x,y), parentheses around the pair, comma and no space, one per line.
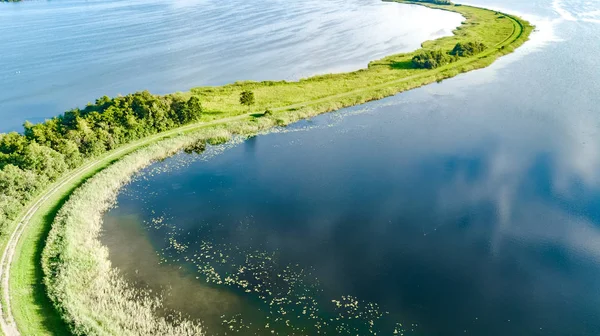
(289,101)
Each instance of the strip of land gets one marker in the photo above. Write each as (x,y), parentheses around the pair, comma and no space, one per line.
(26,308)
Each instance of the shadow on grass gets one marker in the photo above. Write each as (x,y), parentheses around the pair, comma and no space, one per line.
(212,112)
(52,320)
(405,65)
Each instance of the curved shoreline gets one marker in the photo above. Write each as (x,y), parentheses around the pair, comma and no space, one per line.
(242,123)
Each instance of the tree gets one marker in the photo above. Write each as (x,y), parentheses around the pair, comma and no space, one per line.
(467,49)
(193,109)
(247,98)
(431,59)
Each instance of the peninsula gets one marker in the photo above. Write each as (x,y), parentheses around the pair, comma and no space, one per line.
(57,177)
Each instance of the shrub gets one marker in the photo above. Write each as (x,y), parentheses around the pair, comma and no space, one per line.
(197,147)
(467,49)
(431,59)
(247,98)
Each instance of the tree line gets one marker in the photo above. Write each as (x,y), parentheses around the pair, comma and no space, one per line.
(431,59)
(43,152)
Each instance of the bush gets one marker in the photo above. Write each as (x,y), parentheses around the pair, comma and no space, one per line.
(247,98)
(45,151)
(467,49)
(197,147)
(432,59)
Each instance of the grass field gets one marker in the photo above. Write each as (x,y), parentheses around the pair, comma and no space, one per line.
(28,303)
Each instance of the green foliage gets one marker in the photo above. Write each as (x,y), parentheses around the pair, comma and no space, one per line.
(462,49)
(435,2)
(45,151)
(197,147)
(247,98)
(431,59)
(15,182)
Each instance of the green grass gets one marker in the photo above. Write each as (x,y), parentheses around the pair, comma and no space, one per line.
(289,102)
(32,309)
(27,286)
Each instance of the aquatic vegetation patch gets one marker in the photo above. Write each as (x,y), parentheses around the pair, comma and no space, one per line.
(467,49)
(289,295)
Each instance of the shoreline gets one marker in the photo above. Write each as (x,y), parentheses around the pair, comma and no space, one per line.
(236,121)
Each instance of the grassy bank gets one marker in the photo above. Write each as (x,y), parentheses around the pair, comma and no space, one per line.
(90,297)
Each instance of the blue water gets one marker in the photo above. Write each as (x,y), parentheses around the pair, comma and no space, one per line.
(466,207)
(58,55)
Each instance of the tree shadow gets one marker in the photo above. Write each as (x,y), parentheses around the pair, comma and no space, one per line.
(52,320)
(403,65)
(212,112)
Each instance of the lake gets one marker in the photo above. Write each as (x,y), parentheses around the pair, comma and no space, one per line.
(471,206)
(59,55)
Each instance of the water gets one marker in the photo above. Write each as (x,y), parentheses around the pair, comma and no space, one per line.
(58,55)
(466,207)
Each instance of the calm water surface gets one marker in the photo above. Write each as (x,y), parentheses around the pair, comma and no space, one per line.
(466,207)
(62,54)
